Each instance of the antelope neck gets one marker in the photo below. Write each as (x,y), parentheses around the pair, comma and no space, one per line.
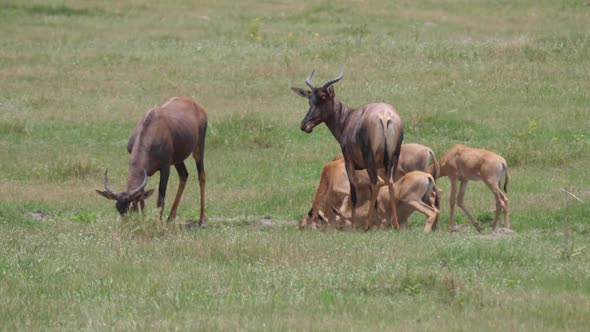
(443,169)
(338,119)
(137,165)
(135,177)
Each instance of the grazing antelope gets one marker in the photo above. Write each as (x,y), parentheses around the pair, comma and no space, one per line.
(462,163)
(415,191)
(370,137)
(164,137)
(334,190)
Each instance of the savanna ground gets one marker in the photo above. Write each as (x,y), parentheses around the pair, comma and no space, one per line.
(508,76)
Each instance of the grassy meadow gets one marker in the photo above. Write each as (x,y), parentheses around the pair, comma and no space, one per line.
(509,76)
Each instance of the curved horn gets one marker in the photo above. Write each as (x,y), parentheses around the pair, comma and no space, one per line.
(131,194)
(106,183)
(308,80)
(327,85)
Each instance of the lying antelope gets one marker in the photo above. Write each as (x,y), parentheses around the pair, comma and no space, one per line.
(164,137)
(462,163)
(370,137)
(415,191)
(334,190)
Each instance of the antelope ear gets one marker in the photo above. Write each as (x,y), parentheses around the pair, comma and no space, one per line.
(301,92)
(322,217)
(331,92)
(106,195)
(147,194)
(303,222)
(339,214)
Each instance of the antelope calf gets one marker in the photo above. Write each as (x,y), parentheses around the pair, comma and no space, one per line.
(370,137)
(416,157)
(415,191)
(334,190)
(164,137)
(462,164)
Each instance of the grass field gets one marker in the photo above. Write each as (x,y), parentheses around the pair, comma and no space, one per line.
(508,76)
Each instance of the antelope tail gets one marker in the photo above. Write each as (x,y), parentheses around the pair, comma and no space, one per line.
(437,194)
(506,178)
(390,147)
(435,165)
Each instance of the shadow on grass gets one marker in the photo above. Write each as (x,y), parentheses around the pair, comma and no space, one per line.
(48,10)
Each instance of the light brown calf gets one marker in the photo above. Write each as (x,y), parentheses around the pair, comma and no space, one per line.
(334,189)
(462,164)
(415,191)
(416,157)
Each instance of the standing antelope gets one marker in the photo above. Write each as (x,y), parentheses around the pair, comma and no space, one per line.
(164,137)
(416,157)
(370,137)
(462,163)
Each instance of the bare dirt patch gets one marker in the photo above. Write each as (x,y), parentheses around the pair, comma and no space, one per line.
(38,215)
(498,232)
(254,221)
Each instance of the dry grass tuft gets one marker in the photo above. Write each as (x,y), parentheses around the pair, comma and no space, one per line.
(145,226)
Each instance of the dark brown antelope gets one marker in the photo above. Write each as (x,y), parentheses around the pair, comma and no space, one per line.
(370,137)
(164,137)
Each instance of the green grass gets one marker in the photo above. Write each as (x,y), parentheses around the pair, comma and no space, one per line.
(508,76)
(246,276)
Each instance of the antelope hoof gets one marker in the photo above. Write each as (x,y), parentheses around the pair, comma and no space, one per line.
(202,221)
(190,224)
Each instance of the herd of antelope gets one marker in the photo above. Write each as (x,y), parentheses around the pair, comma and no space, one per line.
(376,181)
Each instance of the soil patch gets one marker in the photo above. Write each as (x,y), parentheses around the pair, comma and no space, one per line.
(255,221)
(498,232)
(38,215)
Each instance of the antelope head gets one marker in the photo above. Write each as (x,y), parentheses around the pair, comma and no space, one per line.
(126,198)
(314,220)
(321,102)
